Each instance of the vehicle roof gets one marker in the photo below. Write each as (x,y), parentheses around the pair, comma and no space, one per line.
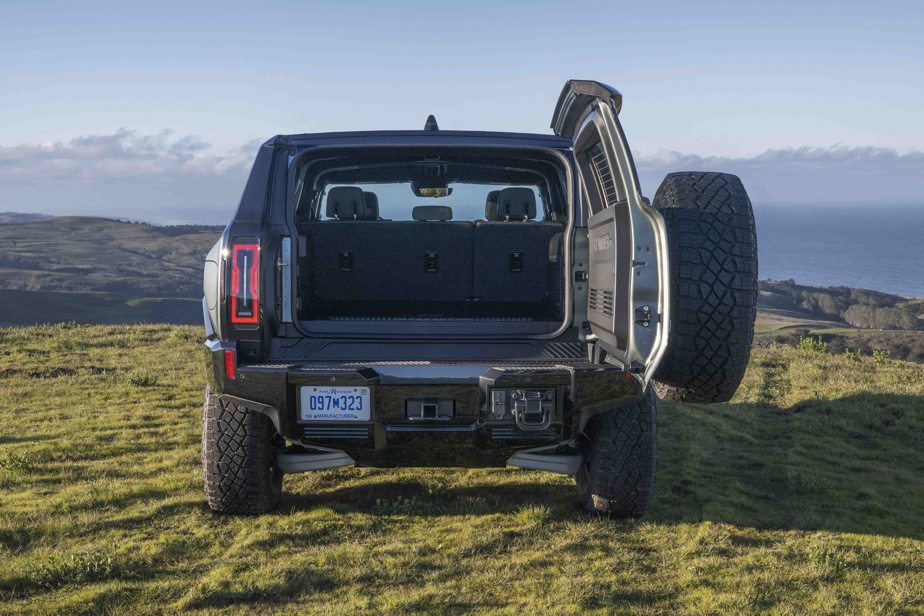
(427,137)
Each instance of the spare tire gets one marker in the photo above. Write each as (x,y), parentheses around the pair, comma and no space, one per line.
(713,285)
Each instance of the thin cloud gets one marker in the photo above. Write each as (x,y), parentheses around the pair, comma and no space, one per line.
(122,154)
(798,156)
(165,177)
(161,177)
(806,174)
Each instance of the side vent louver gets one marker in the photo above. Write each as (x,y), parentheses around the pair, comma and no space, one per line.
(601,301)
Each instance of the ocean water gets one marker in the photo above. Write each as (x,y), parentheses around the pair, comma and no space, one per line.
(878,247)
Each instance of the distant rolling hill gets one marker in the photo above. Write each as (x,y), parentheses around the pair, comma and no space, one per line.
(97,270)
(22,217)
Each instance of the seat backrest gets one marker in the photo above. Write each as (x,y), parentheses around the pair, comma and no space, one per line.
(345,202)
(511,258)
(516,204)
(372,206)
(391,261)
(490,205)
(511,261)
(424,213)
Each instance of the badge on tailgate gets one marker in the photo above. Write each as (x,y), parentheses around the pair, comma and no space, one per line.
(335,404)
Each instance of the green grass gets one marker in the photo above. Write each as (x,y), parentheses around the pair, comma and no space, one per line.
(769,321)
(803,495)
(904,345)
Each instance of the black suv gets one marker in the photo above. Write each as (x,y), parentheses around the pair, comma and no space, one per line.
(450,298)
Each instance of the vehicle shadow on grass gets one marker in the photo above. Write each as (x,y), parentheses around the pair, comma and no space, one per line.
(418,497)
(852,464)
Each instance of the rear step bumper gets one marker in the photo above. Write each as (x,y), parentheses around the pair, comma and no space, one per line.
(552,463)
(423,413)
(304,462)
(530,459)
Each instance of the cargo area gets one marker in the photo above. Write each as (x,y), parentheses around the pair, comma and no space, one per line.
(377,251)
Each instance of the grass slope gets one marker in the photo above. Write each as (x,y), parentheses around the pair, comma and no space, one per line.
(803,495)
(97,270)
(80,254)
(26,307)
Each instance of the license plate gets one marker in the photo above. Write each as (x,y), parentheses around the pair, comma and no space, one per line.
(335,404)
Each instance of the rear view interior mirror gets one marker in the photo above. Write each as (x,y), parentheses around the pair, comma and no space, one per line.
(431,191)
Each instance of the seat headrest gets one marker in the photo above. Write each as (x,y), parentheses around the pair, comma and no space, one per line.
(346,203)
(516,204)
(372,206)
(490,206)
(432,212)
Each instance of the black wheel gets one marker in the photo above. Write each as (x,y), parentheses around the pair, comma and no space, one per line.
(619,469)
(239,458)
(713,266)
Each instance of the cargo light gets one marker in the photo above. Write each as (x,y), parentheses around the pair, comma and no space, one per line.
(229,363)
(245,284)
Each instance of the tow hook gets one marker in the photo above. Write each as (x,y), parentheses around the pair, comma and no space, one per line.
(533,408)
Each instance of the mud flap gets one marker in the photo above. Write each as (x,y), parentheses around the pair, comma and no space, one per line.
(592,411)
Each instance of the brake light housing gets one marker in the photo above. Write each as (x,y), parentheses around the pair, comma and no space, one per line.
(245,284)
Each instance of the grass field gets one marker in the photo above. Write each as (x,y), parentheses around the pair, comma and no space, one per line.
(802,496)
(774,320)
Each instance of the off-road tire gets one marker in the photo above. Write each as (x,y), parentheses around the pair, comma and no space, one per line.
(239,458)
(713,276)
(619,468)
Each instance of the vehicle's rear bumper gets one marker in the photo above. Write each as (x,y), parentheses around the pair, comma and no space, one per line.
(473,437)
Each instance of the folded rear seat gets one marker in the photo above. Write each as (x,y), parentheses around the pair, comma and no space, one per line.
(411,261)
(511,250)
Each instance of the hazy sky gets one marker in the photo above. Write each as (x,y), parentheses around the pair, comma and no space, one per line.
(154,113)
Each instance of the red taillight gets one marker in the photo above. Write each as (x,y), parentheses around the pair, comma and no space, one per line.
(229,363)
(245,283)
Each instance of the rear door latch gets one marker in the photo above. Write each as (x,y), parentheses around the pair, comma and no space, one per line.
(643,316)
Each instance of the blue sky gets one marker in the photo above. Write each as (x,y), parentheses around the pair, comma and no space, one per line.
(155,111)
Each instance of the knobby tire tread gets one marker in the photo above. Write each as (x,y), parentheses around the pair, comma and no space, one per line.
(713,263)
(618,476)
(238,463)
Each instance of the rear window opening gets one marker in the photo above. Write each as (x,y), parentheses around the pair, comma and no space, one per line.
(397,202)
(423,244)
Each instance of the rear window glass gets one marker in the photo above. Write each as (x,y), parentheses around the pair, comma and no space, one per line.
(328,184)
(467,201)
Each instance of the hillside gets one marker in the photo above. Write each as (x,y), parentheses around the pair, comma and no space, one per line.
(801,496)
(78,254)
(844,319)
(859,308)
(96,270)
(7,217)
(102,271)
